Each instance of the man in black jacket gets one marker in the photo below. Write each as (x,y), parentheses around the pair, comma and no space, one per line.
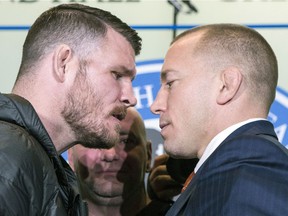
(73,86)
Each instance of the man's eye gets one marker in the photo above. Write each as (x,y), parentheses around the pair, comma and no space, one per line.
(117,75)
(129,143)
(169,84)
(125,141)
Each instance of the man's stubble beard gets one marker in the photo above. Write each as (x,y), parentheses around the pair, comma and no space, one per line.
(79,113)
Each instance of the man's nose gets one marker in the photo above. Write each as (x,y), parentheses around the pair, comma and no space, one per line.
(128,97)
(159,103)
(110,155)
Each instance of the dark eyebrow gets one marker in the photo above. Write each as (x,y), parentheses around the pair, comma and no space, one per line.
(163,75)
(123,133)
(129,135)
(130,73)
(124,71)
(127,71)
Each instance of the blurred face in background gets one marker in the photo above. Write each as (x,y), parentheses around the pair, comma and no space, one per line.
(108,176)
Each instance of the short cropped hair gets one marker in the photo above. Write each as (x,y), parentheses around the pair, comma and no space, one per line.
(243,47)
(77,26)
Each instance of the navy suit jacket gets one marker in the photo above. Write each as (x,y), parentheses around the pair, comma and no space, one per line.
(247,175)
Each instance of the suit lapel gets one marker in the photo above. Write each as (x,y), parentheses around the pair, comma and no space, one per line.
(261,127)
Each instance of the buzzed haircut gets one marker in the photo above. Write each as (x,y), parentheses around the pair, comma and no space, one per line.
(75,25)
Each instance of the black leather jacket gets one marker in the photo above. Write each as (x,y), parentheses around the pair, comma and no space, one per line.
(34,179)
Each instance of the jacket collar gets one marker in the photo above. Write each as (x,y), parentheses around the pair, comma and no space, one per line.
(19,111)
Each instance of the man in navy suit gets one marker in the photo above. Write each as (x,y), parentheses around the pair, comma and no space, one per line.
(218,83)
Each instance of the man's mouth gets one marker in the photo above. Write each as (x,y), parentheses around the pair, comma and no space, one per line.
(120,117)
(162,125)
(120,114)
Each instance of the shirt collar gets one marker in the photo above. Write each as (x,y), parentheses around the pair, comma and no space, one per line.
(219,138)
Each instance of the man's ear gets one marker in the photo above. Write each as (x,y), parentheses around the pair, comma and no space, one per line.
(149,156)
(62,56)
(231,79)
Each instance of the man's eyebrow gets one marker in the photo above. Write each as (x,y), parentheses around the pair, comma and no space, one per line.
(165,73)
(127,71)
(123,133)
(129,134)
(130,72)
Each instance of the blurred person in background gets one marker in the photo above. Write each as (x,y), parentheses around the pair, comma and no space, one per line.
(112,181)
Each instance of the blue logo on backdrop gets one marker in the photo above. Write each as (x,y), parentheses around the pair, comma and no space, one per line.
(278,115)
(147,84)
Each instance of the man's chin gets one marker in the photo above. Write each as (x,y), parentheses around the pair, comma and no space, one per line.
(109,192)
(103,137)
